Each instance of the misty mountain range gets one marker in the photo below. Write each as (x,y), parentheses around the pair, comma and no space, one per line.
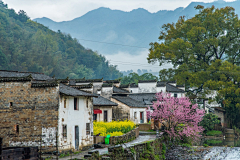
(136,28)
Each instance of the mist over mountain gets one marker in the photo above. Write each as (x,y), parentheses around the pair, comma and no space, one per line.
(135,28)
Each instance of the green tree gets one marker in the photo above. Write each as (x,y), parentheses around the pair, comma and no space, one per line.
(29,46)
(134,78)
(3,60)
(208,122)
(205,54)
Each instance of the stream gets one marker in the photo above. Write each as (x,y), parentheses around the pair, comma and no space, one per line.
(223,149)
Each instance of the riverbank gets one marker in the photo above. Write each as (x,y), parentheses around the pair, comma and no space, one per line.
(189,153)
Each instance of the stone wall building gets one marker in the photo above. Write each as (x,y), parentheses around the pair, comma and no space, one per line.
(35,109)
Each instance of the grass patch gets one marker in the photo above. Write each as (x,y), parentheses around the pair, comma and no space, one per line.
(213,133)
(185,145)
(213,142)
(151,131)
(77,152)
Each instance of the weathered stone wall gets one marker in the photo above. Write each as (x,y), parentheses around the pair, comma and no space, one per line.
(220,114)
(144,127)
(148,150)
(118,139)
(121,111)
(27,114)
(107,92)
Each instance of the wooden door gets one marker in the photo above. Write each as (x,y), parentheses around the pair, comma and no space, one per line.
(105,116)
(141,117)
(76,137)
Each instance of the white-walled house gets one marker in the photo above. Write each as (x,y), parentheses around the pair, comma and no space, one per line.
(102,109)
(135,110)
(75,126)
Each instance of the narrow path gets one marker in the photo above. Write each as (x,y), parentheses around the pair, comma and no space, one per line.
(102,151)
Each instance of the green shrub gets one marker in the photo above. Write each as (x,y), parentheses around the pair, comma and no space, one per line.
(185,145)
(205,145)
(213,142)
(214,133)
(208,122)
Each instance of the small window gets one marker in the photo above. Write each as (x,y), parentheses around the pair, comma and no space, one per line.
(94,117)
(87,128)
(87,103)
(10,104)
(64,131)
(65,103)
(16,128)
(135,115)
(175,94)
(131,91)
(75,104)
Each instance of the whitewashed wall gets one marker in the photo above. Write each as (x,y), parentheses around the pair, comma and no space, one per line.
(138,110)
(133,90)
(107,92)
(161,89)
(100,117)
(70,117)
(147,87)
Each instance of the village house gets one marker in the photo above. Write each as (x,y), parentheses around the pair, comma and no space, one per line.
(103,109)
(35,109)
(129,108)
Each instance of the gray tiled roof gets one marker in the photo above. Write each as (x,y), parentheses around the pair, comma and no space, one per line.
(101,101)
(73,92)
(171,88)
(90,85)
(133,85)
(144,98)
(129,101)
(88,80)
(161,84)
(41,84)
(15,79)
(112,81)
(35,75)
(119,90)
(179,85)
(107,85)
(147,81)
(124,86)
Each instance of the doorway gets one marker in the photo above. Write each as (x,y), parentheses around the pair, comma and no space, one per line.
(105,116)
(141,117)
(76,137)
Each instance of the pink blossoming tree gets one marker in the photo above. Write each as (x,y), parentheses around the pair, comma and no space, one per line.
(181,116)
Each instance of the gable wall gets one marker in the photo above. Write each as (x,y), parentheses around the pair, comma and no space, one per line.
(34,110)
(70,117)
(147,87)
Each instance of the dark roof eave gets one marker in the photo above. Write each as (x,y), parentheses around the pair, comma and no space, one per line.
(175,91)
(78,95)
(104,105)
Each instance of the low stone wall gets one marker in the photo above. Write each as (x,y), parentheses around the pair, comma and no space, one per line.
(149,150)
(144,127)
(133,134)
(20,153)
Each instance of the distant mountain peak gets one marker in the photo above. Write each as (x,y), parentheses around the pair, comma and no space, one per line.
(140,9)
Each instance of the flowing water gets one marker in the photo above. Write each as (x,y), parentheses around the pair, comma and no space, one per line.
(223,149)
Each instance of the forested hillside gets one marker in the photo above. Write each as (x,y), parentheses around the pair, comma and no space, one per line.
(26,45)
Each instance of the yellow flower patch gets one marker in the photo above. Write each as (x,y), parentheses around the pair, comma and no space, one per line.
(114,128)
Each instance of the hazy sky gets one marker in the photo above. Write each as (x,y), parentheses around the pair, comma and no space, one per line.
(63,10)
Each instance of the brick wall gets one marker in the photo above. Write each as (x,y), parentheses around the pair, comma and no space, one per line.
(27,113)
